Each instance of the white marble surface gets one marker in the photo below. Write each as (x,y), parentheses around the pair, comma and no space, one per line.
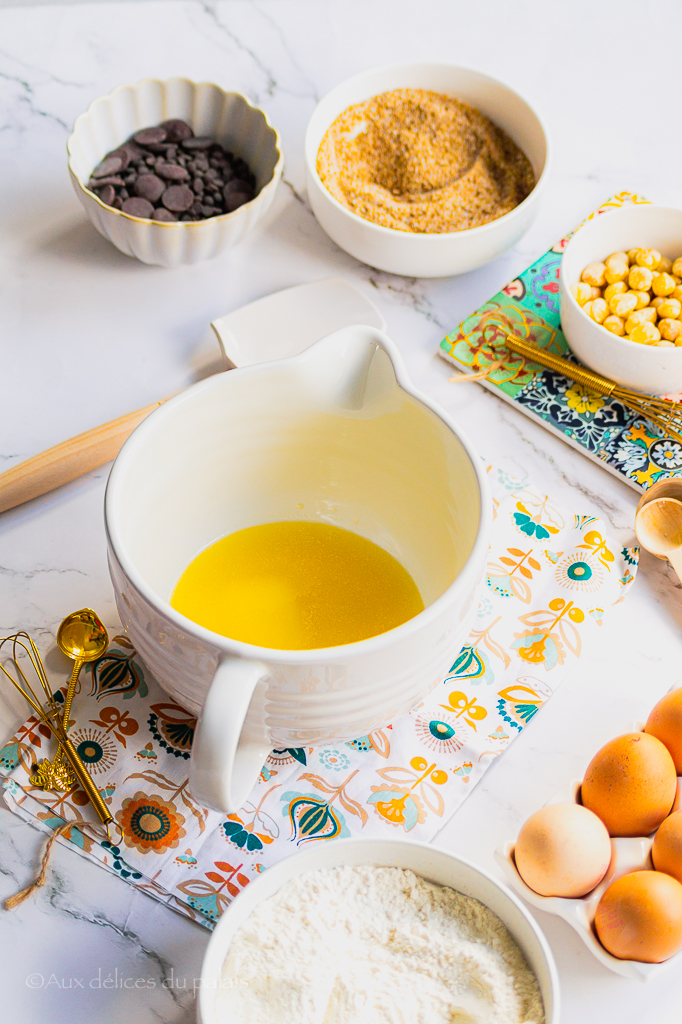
(88,334)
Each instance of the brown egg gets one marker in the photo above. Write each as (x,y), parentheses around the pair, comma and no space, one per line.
(665,723)
(563,850)
(666,853)
(630,784)
(639,917)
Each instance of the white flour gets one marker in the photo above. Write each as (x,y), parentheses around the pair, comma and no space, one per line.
(366,945)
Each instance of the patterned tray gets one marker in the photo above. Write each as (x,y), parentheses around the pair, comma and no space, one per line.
(603,429)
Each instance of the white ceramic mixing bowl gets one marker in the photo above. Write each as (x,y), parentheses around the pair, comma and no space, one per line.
(434,864)
(338,435)
(655,371)
(406,252)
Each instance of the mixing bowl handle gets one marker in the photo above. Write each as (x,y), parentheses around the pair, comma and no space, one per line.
(226,759)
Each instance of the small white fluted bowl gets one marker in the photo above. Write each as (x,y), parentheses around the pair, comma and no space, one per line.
(407,252)
(435,865)
(227,116)
(646,368)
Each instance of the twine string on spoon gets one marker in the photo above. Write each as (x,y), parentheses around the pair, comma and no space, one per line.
(98,832)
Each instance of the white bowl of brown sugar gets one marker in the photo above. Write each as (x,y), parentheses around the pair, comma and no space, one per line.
(425,170)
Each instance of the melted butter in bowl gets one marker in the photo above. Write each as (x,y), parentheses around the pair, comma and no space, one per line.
(296,586)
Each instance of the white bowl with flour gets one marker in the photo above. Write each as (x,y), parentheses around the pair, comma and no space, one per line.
(444,939)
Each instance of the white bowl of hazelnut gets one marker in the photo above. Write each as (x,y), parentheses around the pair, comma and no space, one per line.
(425,170)
(621,297)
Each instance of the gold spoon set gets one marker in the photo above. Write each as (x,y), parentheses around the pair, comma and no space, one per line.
(82,637)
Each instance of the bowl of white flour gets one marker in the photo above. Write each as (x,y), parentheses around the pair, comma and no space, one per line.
(377,932)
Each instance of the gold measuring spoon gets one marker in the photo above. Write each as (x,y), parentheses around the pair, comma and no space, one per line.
(83,638)
(658,525)
(48,711)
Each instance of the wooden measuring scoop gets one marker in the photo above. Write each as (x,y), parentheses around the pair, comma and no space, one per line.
(658,525)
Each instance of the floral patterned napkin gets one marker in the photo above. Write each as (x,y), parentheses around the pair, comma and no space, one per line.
(550,578)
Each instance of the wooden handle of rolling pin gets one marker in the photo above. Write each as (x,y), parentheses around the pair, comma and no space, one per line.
(68,461)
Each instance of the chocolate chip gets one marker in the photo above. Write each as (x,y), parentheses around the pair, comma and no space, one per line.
(122,154)
(148,186)
(150,161)
(171,172)
(101,182)
(136,206)
(132,149)
(108,166)
(236,185)
(177,198)
(107,194)
(150,136)
(117,203)
(198,185)
(177,130)
(236,199)
(208,211)
(124,193)
(199,143)
(164,215)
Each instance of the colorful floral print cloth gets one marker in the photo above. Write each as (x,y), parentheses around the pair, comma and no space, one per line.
(550,579)
(602,428)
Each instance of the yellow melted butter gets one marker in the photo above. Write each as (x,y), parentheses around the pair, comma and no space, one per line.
(296,586)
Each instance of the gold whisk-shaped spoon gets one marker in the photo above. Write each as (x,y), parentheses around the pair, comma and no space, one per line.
(48,712)
(665,414)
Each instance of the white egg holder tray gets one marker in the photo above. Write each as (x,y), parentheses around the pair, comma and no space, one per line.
(627,854)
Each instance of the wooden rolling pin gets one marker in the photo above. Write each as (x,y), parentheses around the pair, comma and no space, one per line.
(69,460)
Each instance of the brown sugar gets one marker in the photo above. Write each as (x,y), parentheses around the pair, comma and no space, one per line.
(420,161)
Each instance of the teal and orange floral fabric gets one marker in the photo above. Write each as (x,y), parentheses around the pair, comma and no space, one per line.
(551,577)
(602,428)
